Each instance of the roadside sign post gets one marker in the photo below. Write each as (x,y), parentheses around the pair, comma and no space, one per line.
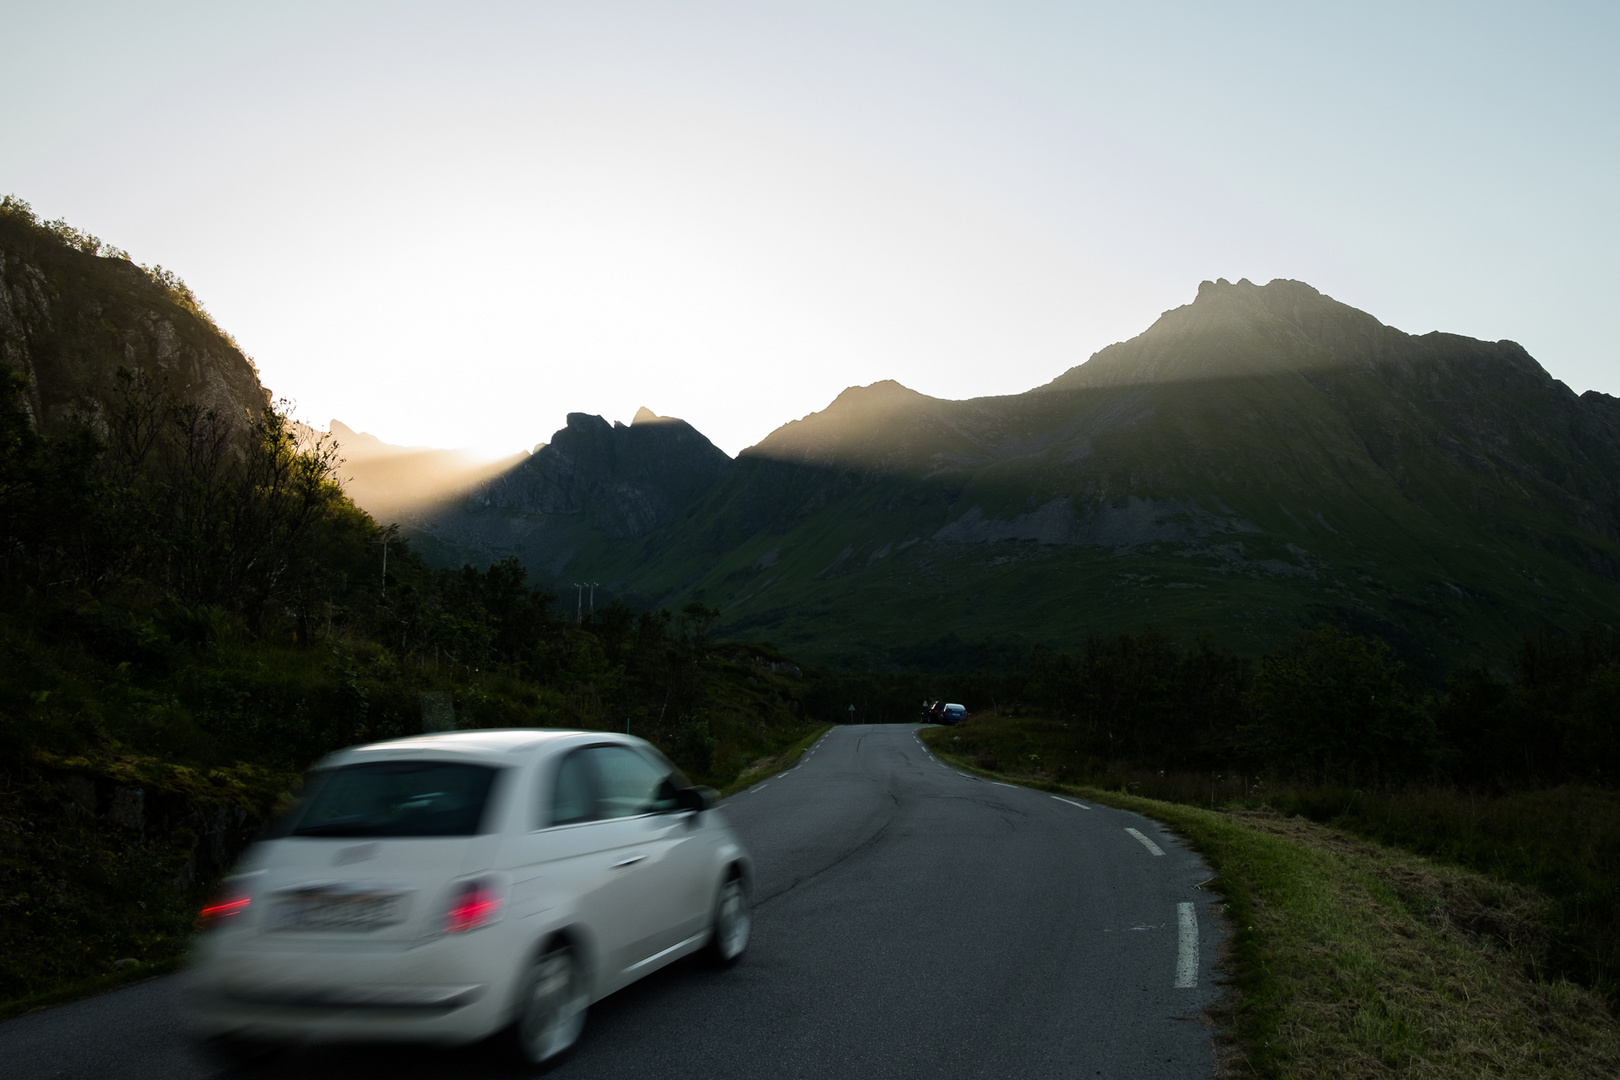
(852,714)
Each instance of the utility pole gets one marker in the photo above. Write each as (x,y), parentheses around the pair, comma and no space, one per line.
(579,601)
(387,536)
(593,585)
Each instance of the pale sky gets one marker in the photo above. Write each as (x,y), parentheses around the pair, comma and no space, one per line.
(451,224)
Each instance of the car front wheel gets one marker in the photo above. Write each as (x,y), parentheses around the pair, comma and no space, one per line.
(732,923)
(551,1006)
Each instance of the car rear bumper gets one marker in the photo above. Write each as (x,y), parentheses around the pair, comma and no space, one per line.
(432,995)
(443,1015)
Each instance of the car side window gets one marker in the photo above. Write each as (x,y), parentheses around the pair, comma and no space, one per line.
(665,766)
(631,784)
(573,792)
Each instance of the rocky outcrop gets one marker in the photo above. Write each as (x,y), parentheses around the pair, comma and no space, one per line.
(1132,523)
(70,318)
(630,478)
(199,837)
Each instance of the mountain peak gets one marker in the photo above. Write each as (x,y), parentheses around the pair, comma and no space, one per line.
(1239,329)
(883,388)
(354,442)
(1282,298)
(857,420)
(626,479)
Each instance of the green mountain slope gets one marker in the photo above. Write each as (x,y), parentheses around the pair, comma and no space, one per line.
(1260,460)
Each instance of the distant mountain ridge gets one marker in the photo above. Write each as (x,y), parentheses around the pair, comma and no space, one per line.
(1256,461)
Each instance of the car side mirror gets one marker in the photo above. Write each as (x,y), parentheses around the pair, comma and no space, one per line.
(697,799)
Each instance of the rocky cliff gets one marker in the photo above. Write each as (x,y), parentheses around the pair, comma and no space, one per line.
(631,478)
(594,483)
(73,311)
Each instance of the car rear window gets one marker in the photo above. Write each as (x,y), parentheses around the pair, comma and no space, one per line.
(395,798)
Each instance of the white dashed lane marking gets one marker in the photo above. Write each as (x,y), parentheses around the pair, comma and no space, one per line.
(1187,947)
(1186,917)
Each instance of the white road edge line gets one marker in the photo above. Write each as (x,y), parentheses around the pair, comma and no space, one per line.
(1150,845)
(1187,947)
(1071,802)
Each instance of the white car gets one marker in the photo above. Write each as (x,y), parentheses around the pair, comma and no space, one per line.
(447,887)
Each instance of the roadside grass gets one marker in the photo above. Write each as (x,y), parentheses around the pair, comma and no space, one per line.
(770,765)
(1349,959)
(1563,842)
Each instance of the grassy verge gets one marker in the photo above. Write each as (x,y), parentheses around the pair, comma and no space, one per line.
(765,767)
(1351,959)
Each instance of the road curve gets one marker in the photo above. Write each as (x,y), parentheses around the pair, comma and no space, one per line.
(910,921)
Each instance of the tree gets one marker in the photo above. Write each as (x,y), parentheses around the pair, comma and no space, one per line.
(1338,706)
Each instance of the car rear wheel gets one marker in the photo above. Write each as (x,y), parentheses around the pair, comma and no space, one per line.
(732,923)
(551,1006)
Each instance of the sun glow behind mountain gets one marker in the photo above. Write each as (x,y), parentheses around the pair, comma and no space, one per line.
(453,225)
(397,482)
(727,260)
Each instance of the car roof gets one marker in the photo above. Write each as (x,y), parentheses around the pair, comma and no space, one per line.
(489,744)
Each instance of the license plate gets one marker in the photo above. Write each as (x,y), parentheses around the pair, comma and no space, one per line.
(351,912)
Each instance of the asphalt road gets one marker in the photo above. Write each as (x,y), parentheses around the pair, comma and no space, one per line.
(910,921)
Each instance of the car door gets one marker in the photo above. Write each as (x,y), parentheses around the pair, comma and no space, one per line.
(667,898)
(579,863)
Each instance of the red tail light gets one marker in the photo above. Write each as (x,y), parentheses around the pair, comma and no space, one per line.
(477,904)
(222,907)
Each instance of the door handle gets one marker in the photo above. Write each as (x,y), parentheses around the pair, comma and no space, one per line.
(631,861)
